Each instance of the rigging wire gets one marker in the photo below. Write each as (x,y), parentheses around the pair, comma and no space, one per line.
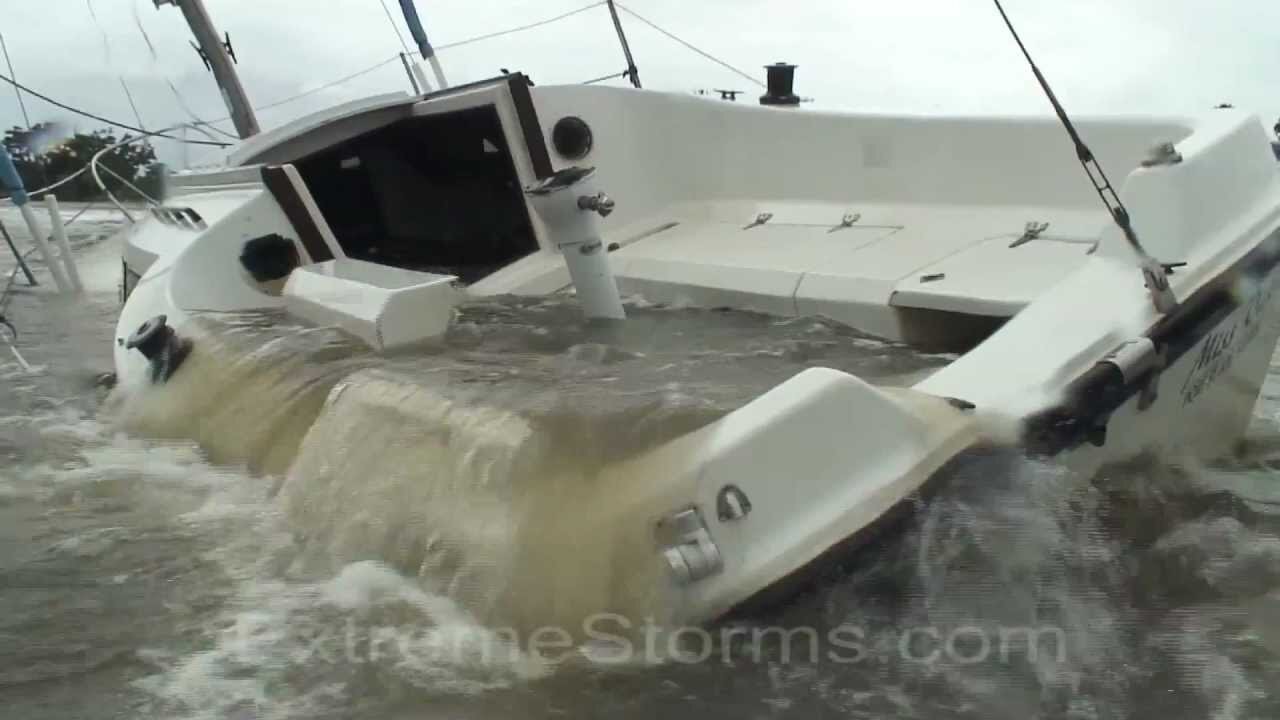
(322,88)
(22,104)
(13,280)
(93,169)
(86,167)
(690,45)
(81,211)
(92,166)
(602,78)
(396,58)
(141,193)
(520,28)
(334,83)
(151,47)
(394,27)
(101,119)
(106,41)
(196,118)
(1155,274)
(136,115)
(59,183)
(106,59)
(7,294)
(199,124)
(182,103)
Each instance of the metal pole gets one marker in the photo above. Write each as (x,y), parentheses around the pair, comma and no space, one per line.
(419,34)
(408,70)
(22,262)
(632,71)
(220,61)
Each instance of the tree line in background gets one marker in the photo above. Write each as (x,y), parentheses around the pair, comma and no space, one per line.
(40,166)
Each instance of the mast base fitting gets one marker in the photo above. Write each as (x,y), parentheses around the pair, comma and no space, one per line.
(161,346)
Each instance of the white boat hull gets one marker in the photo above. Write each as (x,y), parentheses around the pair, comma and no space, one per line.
(1072,354)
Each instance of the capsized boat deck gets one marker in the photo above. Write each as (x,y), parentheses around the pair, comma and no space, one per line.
(860,264)
(978,234)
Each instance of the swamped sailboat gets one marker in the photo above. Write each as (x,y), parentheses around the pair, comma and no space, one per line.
(387,218)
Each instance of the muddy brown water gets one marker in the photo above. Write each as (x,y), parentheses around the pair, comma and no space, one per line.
(148,575)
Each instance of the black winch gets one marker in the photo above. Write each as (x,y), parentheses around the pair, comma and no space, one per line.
(780,78)
(161,346)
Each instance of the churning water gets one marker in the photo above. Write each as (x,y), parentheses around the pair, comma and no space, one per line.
(294,532)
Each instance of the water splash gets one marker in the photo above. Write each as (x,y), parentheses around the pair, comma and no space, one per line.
(494,464)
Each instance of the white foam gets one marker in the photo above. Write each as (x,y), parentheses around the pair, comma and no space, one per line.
(320,635)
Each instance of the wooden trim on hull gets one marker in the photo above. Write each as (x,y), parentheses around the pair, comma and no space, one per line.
(530,128)
(529,125)
(281,187)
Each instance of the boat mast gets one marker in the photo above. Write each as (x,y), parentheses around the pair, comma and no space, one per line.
(420,37)
(632,71)
(217,57)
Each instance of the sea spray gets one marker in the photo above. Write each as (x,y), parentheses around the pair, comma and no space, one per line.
(509,514)
(245,402)
(514,465)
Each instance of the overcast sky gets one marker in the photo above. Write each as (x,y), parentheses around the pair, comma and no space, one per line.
(918,56)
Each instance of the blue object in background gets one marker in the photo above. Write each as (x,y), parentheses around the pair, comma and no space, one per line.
(415,29)
(10,178)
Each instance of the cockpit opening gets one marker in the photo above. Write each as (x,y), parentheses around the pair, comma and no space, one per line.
(438,193)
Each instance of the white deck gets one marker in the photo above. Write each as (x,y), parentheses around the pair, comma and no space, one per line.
(802,261)
(938,203)
(936,198)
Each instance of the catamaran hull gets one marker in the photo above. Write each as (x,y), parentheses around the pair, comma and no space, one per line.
(1217,350)
(928,231)
(1196,408)
(750,508)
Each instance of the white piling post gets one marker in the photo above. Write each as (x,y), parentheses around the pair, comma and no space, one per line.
(64,245)
(12,181)
(42,244)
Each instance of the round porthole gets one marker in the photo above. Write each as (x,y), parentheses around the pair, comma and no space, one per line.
(571,137)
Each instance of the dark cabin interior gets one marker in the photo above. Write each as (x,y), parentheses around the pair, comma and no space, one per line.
(437,193)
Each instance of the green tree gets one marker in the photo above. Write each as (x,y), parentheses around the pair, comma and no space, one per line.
(39,165)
